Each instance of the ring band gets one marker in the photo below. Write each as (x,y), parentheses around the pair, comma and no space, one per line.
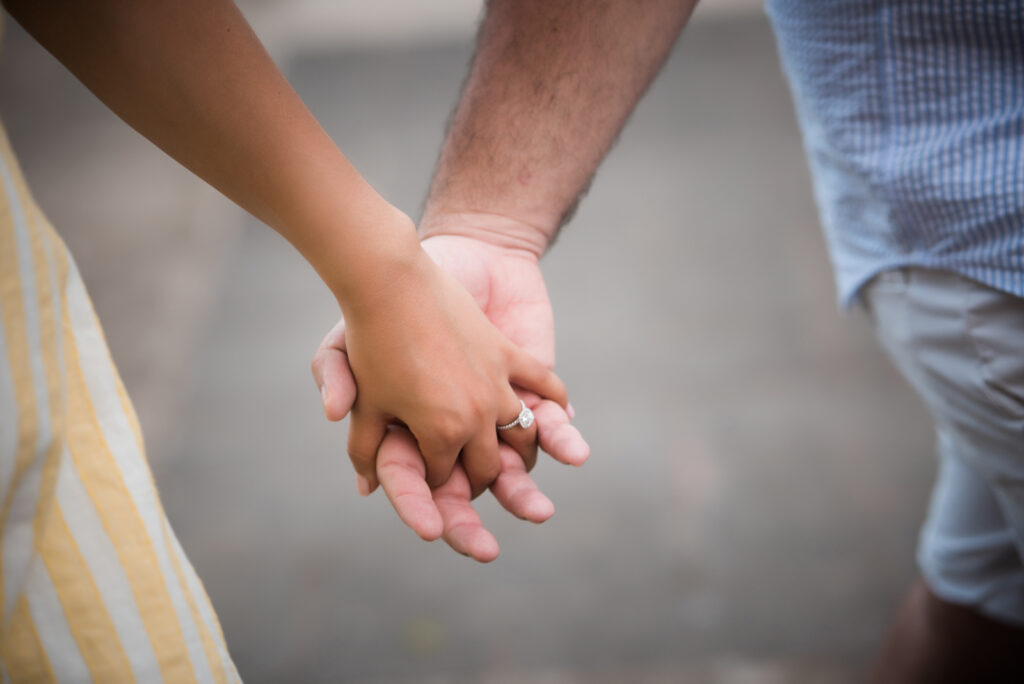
(523,420)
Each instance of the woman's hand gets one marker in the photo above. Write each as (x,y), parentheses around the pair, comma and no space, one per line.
(424,354)
(508,287)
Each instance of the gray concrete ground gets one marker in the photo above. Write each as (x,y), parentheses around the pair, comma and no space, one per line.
(758,470)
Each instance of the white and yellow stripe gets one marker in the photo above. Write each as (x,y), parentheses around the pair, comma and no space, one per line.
(94,585)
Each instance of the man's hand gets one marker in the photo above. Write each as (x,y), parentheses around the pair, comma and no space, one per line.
(507,285)
(446,511)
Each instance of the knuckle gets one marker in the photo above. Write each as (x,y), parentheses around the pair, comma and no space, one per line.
(509,354)
(449,432)
(360,457)
(490,472)
(360,452)
(477,411)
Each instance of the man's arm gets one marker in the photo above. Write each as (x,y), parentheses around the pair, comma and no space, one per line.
(549,89)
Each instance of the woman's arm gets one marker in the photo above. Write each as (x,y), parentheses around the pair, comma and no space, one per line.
(191,76)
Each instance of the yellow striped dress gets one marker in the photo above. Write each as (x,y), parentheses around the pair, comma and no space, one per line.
(94,585)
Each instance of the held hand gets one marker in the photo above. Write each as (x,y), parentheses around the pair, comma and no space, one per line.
(424,354)
(447,510)
(507,285)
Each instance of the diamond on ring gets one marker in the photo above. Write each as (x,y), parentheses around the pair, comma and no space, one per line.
(523,420)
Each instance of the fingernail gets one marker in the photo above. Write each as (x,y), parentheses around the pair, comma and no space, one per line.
(323,393)
(570,410)
(362,485)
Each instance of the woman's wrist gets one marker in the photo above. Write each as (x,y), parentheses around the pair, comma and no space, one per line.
(376,261)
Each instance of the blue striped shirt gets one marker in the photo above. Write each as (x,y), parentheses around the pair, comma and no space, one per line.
(913,119)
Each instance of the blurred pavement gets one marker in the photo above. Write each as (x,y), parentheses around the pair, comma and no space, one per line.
(758,473)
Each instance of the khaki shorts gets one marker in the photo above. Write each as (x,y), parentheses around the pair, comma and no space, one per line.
(960,344)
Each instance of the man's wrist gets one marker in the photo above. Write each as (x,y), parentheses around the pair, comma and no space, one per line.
(494,229)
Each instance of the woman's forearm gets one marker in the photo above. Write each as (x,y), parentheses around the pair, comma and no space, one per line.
(191,76)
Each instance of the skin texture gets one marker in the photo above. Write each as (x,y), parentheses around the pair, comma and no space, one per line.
(192,77)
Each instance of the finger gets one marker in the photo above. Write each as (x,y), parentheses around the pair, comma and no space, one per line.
(557,437)
(402,475)
(481,461)
(523,440)
(332,374)
(516,491)
(365,433)
(531,374)
(440,457)
(336,382)
(463,530)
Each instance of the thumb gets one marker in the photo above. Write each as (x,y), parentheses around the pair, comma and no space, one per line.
(529,373)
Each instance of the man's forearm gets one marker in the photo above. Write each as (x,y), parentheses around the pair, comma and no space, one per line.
(551,84)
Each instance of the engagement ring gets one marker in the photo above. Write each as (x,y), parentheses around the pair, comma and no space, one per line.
(524,419)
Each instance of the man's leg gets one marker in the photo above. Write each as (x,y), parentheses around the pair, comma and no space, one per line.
(963,620)
(968,554)
(933,640)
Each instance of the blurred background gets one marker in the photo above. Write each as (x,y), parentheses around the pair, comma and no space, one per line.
(758,474)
